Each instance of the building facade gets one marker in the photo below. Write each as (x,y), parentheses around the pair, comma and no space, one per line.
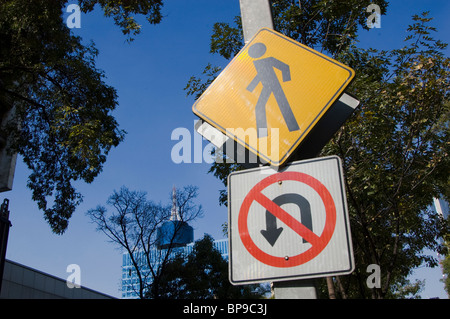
(23,282)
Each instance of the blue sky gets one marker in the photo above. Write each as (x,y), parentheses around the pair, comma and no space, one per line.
(149,75)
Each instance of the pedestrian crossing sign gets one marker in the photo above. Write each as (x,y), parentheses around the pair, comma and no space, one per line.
(272,94)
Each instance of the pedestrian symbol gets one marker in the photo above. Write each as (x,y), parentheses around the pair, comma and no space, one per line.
(272,94)
(270,85)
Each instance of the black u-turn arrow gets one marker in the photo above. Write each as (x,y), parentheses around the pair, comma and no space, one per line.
(272,232)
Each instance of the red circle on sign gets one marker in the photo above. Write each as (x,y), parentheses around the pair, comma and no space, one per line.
(318,242)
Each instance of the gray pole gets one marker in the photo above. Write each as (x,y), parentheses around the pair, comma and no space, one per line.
(295,289)
(5,224)
(257,14)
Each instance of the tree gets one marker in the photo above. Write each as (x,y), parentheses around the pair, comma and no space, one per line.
(133,226)
(395,155)
(123,11)
(394,148)
(62,124)
(203,274)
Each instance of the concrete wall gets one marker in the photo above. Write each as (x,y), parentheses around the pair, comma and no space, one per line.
(22,282)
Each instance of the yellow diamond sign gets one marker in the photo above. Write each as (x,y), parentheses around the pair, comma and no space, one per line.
(271,95)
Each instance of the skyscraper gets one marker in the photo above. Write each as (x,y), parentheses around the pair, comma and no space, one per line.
(174,232)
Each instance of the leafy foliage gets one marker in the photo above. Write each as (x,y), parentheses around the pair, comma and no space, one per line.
(395,154)
(63,125)
(328,26)
(203,274)
(123,11)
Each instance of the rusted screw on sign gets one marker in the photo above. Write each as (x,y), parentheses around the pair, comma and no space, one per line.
(280,182)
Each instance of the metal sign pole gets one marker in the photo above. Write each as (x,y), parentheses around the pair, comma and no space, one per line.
(295,289)
(5,224)
(257,14)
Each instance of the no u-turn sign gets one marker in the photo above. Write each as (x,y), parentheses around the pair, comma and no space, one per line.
(290,224)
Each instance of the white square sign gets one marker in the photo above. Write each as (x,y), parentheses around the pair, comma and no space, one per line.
(289,224)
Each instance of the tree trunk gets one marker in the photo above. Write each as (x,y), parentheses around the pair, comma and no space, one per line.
(331,291)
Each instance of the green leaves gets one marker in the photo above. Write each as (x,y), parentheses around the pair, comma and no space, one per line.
(63,125)
(196,85)
(226,40)
(123,11)
(328,26)
(202,274)
(395,151)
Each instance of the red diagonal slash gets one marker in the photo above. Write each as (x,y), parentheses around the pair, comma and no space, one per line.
(286,218)
(318,243)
